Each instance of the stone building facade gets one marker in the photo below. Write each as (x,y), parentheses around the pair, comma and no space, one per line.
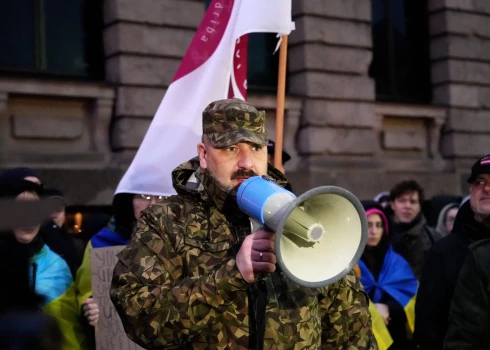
(340,126)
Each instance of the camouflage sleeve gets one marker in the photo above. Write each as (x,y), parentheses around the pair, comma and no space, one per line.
(160,308)
(346,320)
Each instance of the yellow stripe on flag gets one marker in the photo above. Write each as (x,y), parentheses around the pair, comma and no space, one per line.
(380,331)
(410,312)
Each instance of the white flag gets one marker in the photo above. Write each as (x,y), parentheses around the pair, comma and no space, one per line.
(203,76)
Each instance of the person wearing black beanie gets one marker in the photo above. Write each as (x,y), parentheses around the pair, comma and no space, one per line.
(57,238)
(48,275)
(21,173)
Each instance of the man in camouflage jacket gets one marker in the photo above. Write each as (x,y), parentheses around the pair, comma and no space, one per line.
(189,277)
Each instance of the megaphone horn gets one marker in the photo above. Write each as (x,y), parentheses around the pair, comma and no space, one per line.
(320,235)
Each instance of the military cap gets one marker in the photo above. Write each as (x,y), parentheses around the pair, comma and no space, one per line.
(228,122)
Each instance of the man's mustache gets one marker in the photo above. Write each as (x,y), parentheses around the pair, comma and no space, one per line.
(243,174)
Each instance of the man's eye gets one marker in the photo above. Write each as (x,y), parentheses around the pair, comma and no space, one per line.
(231,149)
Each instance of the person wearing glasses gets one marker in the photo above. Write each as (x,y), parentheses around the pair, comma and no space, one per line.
(443,266)
(127,208)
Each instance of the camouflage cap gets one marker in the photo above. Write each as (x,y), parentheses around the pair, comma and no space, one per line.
(228,122)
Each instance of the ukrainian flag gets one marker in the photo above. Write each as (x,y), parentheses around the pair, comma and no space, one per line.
(55,284)
(397,279)
(380,331)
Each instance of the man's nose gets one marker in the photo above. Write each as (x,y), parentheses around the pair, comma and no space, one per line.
(486,186)
(246,160)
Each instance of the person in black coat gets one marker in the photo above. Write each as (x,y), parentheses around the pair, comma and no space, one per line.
(445,260)
(469,315)
(57,238)
(23,325)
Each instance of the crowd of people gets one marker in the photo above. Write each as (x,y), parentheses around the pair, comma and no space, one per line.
(194,275)
(422,298)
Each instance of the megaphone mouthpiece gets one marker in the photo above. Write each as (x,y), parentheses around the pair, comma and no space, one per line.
(304,226)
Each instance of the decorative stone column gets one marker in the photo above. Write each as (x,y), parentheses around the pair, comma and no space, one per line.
(330,52)
(460,54)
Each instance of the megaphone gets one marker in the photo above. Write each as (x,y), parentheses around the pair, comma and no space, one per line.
(320,235)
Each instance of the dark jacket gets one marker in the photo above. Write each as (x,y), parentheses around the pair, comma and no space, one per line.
(413,242)
(439,279)
(469,315)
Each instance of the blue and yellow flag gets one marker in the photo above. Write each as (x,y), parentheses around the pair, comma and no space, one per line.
(396,279)
(55,283)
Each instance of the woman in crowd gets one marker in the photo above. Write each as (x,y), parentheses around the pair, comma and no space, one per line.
(387,278)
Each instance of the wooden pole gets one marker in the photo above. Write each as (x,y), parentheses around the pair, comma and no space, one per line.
(281,97)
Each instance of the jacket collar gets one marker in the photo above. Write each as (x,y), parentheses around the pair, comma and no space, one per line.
(190,179)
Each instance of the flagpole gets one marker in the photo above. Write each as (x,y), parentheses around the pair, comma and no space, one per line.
(281,96)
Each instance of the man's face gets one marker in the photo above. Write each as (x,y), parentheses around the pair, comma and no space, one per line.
(58,217)
(406,207)
(26,235)
(480,195)
(232,165)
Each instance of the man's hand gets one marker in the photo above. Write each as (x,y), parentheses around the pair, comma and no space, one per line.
(384,312)
(91,311)
(256,255)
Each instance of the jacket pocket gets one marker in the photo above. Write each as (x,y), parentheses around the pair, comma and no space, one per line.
(201,257)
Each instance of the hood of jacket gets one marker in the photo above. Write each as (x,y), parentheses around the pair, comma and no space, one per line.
(441,220)
(190,180)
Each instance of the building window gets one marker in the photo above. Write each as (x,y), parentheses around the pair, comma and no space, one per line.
(262,64)
(53,37)
(401,59)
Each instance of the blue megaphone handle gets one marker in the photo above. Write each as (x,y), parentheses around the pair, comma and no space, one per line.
(253,193)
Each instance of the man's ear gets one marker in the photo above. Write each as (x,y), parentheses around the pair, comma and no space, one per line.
(201,152)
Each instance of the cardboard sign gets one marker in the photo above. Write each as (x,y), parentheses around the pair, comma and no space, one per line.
(109,332)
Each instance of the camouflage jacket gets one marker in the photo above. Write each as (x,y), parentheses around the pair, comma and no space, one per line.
(177,286)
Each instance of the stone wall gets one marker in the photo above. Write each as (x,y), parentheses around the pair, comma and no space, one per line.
(330,52)
(82,136)
(460,53)
(58,128)
(346,138)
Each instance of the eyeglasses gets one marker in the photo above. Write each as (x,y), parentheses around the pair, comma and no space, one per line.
(148,197)
(480,183)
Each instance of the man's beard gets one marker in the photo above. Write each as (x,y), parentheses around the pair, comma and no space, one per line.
(239,173)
